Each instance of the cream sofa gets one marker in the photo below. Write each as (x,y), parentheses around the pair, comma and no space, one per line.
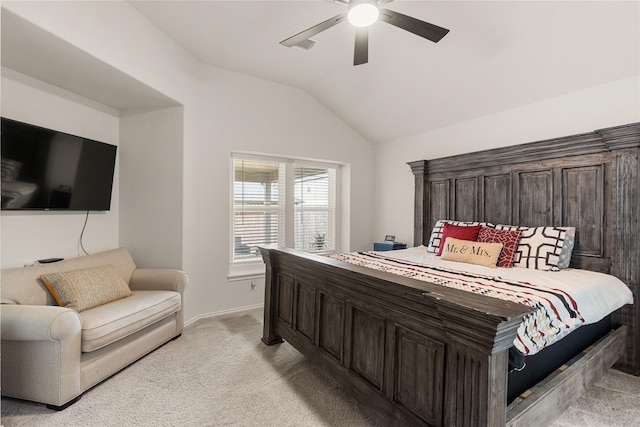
(52,354)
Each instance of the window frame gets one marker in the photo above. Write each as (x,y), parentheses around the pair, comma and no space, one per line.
(253,267)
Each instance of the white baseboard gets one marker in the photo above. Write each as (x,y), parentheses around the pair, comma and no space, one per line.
(220,313)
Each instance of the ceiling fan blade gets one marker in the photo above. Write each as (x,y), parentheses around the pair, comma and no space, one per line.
(413,25)
(310,32)
(361,50)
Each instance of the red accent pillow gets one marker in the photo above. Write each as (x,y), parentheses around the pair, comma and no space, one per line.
(459,232)
(510,240)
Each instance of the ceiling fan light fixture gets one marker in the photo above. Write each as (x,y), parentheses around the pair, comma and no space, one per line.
(363,13)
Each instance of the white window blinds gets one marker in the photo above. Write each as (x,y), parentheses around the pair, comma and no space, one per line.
(314,208)
(258,205)
(264,212)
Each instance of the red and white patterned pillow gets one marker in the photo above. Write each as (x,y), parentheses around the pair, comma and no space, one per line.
(510,240)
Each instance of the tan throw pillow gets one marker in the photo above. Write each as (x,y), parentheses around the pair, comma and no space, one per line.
(485,254)
(83,289)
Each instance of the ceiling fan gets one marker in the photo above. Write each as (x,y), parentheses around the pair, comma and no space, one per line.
(361,14)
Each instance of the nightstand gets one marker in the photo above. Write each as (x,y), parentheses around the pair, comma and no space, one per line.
(388,246)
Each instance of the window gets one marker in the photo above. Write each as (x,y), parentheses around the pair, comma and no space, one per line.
(282,201)
(314,208)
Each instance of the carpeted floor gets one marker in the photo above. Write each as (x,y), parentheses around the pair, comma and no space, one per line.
(220,374)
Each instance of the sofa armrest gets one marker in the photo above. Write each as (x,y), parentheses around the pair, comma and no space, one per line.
(158,279)
(162,279)
(38,323)
(41,348)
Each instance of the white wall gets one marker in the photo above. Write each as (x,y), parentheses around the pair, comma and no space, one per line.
(612,104)
(240,113)
(151,195)
(223,112)
(294,125)
(29,236)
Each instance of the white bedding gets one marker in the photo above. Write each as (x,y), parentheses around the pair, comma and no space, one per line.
(597,294)
(593,295)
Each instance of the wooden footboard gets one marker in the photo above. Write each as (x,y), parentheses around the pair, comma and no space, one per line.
(411,352)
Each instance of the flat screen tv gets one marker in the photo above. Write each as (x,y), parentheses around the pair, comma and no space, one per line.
(43,169)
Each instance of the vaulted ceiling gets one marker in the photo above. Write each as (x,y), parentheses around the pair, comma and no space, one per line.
(498,55)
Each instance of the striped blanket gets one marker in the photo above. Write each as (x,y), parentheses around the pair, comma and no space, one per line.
(556,312)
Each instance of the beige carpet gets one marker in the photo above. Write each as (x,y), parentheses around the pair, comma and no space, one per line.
(220,374)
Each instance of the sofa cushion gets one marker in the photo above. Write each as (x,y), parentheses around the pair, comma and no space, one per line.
(86,288)
(21,285)
(110,322)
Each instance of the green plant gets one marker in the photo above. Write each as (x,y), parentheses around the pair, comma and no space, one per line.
(319,242)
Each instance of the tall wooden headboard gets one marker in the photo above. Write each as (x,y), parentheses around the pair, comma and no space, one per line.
(589,181)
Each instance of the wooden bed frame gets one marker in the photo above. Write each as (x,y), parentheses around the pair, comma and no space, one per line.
(415,353)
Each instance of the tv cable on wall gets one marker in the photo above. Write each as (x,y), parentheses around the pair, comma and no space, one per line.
(84,226)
